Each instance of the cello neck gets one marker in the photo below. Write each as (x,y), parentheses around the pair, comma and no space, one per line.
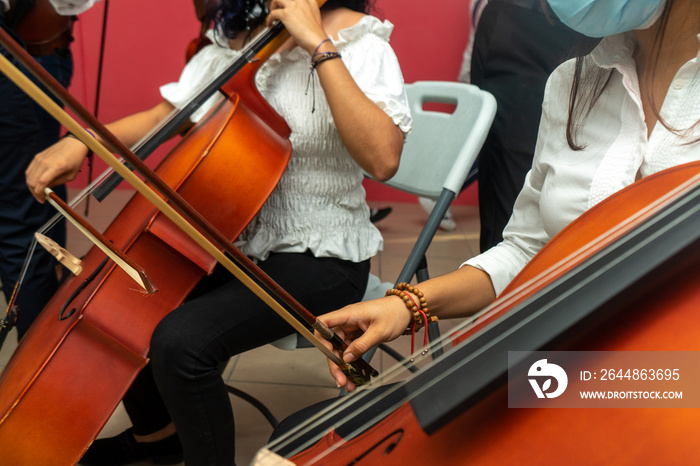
(539,315)
(263,46)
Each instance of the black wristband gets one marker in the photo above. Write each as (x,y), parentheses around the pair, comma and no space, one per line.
(324,57)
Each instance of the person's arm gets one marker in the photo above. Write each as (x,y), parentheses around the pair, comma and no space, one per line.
(61,162)
(465,291)
(363,325)
(369,134)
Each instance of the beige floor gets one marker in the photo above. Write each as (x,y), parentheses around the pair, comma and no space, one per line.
(286,381)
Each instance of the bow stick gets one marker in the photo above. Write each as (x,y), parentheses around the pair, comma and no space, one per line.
(360,371)
(128,265)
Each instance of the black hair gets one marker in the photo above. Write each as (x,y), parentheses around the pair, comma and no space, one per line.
(235,16)
(363,6)
(589,83)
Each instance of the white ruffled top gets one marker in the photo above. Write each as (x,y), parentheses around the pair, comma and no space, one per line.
(319,203)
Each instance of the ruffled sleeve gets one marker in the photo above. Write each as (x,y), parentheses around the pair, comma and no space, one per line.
(374,67)
(208,63)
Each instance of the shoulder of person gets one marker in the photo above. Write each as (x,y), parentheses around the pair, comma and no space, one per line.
(338,19)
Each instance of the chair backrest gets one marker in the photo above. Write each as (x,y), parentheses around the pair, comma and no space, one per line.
(440,151)
(442,147)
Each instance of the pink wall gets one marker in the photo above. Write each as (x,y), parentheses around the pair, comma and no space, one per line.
(146,41)
(429,39)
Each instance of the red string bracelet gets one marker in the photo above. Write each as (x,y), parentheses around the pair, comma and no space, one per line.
(421,313)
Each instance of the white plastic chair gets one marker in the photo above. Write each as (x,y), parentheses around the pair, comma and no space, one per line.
(439,153)
(435,162)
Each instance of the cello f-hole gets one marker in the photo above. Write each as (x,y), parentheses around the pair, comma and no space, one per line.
(62,315)
(392,439)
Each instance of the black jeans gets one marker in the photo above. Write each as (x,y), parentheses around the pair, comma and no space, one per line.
(223,318)
(25,129)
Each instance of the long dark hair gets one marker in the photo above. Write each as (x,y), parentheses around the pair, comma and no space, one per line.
(232,17)
(590,82)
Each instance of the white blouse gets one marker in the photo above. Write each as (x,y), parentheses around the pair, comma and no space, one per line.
(319,203)
(563,183)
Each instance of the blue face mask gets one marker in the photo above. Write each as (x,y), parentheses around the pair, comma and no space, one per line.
(600,18)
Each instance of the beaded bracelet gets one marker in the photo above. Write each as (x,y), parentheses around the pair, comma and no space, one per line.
(420,311)
(422,303)
(410,305)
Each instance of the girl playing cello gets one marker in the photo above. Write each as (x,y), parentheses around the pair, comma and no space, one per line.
(313,236)
(625,111)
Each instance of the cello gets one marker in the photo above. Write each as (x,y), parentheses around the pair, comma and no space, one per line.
(40,27)
(628,284)
(199,42)
(68,352)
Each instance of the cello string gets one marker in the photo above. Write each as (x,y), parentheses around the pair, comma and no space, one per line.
(345,401)
(81,196)
(342,403)
(23,273)
(688,190)
(98,89)
(53,221)
(175,113)
(657,234)
(88,190)
(84,194)
(387,376)
(210,239)
(383,410)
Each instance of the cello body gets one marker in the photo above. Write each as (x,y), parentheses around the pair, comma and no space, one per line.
(642,294)
(72,368)
(42,29)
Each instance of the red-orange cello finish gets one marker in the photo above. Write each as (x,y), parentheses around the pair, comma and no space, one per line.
(67,376)
(662,317)
(198,43)
(42,29)
(195,46)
